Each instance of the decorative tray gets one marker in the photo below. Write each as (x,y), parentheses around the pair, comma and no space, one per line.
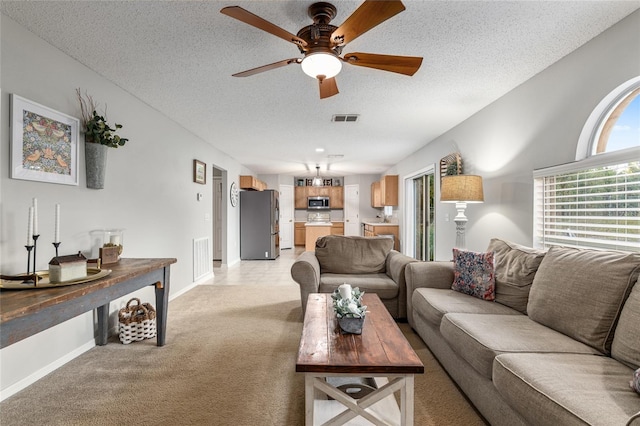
(16,282)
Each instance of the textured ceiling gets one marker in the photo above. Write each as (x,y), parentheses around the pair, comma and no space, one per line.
(178,57)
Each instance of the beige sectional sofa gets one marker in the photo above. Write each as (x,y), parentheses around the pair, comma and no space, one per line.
(558,346)
(369,263)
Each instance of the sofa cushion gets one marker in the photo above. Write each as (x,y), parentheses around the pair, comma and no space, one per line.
(515,267)
(338,254)
(626,340)
(473,274)
(479,338)
(379,284)
(433,303)
(580,292)
(566,389)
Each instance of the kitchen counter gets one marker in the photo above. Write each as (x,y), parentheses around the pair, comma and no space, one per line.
(315,230)
(375,229)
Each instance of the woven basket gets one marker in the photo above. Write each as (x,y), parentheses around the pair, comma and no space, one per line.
(137,322)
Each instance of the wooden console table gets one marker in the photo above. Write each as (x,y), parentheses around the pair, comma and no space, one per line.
(24,313)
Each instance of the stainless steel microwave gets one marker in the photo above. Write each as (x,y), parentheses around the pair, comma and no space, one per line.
(318,203)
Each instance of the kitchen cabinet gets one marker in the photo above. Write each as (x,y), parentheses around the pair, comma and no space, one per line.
(299,234)
(335,194)
(385,192)
(389,190)
(317,191)
(336,197)
(376,199)
(300,197)
(251,183)
(374,230)
(337,228)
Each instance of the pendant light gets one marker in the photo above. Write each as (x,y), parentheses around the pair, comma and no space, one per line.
(317,181)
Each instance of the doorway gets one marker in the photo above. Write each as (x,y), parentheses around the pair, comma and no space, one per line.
(219,217)
(420,214)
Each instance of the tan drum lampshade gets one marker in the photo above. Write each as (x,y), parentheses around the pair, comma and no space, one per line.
(457,188)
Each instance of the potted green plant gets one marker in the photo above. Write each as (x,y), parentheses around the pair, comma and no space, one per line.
(347,303)
(99,136)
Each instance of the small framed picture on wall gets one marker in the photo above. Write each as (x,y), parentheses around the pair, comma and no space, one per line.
(199,172)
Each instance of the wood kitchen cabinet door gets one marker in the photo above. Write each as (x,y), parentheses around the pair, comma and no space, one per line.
(299,234)
(389,190)
(385,192)
(336,197)
(376,198)
(300,197)
(337,228)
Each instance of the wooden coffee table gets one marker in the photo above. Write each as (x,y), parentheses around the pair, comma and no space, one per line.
(381,352)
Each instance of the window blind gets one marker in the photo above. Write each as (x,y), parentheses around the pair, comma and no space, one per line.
(596,207)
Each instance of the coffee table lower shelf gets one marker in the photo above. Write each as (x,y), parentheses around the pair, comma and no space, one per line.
(377,408)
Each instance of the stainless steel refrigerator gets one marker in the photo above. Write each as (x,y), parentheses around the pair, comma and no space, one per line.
(259,230)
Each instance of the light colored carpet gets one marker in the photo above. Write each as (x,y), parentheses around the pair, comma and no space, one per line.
(229,360)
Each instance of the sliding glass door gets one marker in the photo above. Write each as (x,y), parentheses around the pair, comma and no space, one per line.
(421,215)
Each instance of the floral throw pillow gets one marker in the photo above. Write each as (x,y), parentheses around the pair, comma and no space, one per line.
(474,274)
(635,382)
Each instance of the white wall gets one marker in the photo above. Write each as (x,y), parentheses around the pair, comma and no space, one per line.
(536,125)
(148,191)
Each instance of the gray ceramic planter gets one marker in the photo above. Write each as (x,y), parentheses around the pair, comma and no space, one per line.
(351,325)
(96,164)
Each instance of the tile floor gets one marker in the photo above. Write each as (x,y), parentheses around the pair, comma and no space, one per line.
(256,272)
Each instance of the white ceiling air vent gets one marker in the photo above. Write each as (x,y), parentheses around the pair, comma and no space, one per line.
(345,118)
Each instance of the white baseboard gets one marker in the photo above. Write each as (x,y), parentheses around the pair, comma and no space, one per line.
(32,378)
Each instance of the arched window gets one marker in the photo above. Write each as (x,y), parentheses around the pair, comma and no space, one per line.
(595,201)
(620,128)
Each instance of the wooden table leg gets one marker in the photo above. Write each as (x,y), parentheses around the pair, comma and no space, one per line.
(162,303)
(309,399)
(406,401)
(103,324)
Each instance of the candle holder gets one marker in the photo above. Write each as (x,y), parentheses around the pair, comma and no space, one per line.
(28,280)
(35,250)
(56,245)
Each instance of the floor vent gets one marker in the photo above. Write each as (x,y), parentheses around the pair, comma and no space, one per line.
(345,118)
(202,263)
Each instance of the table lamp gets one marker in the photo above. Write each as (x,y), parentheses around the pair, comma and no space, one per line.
(461,189)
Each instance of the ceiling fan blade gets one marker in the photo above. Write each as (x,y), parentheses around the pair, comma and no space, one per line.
(264,68)
(407,65)
(328,87)
(249,18)
(368,15)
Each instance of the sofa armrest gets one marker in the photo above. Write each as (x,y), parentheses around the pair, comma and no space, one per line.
(306,272)
(427,274)
(396,264)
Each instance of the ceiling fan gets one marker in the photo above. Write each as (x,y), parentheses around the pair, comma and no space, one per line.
(321,43)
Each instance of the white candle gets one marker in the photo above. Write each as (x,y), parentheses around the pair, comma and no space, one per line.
(35,216)
(345,291)
(56,229)
(30,227)
(115,240)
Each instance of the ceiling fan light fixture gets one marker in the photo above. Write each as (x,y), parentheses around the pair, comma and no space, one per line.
(325,64)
